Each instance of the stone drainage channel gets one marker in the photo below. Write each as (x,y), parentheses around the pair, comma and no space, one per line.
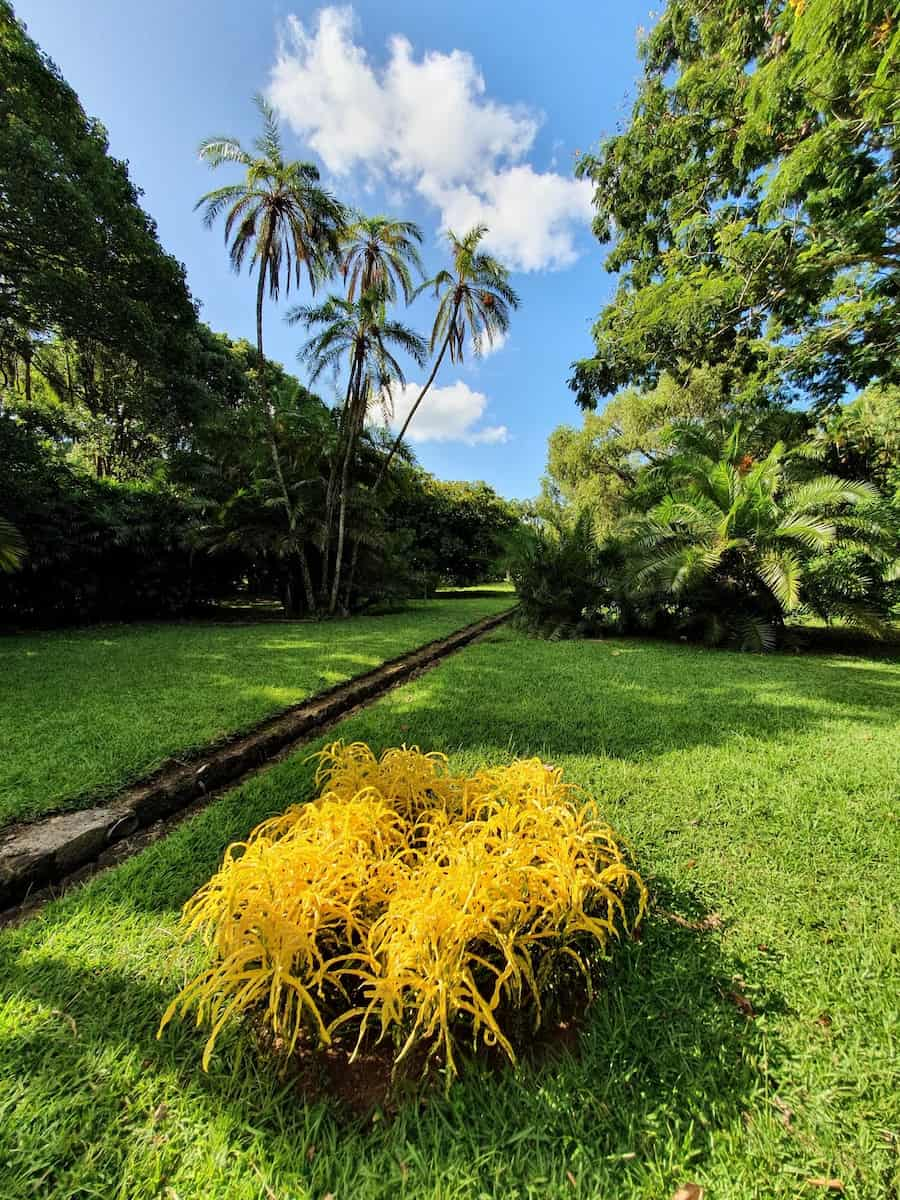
(39,860)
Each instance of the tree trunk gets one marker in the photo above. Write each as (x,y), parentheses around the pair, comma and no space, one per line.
(342,517)
(260,292)
(412,412)
(288,602)
(28,377)
(343,431)
(348,587)
(307,583)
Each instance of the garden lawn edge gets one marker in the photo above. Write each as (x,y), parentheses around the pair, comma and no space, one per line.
(44,852)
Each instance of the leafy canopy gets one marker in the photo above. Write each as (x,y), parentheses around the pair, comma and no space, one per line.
(752,202)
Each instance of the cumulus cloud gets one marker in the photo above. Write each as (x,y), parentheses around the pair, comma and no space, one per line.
(427,123)
(447,414)
(488,348)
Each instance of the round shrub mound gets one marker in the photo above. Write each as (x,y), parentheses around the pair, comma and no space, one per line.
(409,902)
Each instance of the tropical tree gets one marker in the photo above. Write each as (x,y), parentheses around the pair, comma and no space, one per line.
(12,546)
(751,200)
(358,336)
(474,302)
(279,214)
(731,538)
(381,253)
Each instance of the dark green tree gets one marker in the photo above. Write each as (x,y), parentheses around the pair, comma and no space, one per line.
(78,255)
(752,201)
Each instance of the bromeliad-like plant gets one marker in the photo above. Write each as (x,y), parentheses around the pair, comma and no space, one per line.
(409,902)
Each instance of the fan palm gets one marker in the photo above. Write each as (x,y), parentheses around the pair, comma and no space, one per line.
(475,299)
(380,253)
(12,546)
(356,335)
(739,530)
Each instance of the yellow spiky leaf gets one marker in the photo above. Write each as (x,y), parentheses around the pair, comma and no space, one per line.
(409,901)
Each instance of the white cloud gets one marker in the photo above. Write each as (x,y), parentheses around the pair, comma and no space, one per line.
(488,348)
(447,414)
(427,123)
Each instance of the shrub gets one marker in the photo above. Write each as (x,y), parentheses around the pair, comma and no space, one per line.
(409,902)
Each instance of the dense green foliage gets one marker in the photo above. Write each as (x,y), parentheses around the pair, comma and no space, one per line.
(701,528)
(77,252)
(154,465)
(746,1042)
(752,200)
(458,531)
(751,205)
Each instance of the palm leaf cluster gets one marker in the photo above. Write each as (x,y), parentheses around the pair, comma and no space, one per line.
(734,533)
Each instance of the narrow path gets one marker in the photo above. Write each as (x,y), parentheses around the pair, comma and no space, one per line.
(38,859)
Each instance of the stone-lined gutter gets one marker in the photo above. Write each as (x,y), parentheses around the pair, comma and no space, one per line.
(43,853)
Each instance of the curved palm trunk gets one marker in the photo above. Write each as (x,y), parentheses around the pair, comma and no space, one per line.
(342,517)
(421,396)
(396,445)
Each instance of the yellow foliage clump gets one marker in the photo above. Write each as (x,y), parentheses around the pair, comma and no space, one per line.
(408,901)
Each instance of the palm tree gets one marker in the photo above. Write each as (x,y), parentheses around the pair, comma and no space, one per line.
(287,223)
(357,335)
(378,253)
(278,214)
(735,533)
(474,300)
(12,546)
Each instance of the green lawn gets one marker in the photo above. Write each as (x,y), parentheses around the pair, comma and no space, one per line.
(82,712)
(763,790)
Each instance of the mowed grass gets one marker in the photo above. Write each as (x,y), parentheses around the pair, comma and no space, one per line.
(82,712)
(750,1058)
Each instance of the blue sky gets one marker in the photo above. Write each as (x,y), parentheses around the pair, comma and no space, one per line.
(439,113)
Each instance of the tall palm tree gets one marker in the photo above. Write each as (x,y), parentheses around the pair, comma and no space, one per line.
(281,217)
(358,336)
(738,531)
(475,299)
(381,253)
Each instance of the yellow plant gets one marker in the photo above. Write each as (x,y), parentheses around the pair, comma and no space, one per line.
(408,901)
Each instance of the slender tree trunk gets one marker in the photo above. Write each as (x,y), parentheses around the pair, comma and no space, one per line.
(396,445)
(308,589)
(342,518)
(348,587)
(288,601)
(270,415)
(412,412)
(28,377)
(343,432)
(260,293)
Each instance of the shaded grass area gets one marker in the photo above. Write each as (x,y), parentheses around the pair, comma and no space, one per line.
(83,712)
(761,790)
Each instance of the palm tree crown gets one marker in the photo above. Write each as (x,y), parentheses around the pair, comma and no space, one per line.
(357,334)
(744,527)
(475,297)
(279,215)
(378,253)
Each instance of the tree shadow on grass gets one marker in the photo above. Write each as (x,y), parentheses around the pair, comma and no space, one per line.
(632,703)
(667,1059)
